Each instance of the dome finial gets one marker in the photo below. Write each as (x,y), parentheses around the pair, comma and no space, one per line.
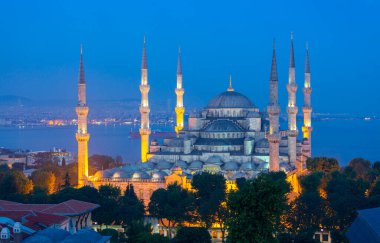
(230,89)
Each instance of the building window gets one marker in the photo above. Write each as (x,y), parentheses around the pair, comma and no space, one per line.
(325,237)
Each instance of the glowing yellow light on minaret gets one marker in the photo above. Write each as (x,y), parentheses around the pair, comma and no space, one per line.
(82,136)
(179,109)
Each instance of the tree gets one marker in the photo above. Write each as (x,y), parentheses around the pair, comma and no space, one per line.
(108,212)
(171,206)
(345,196)
(256,208)
(322,164)
(137,230)
(14,182)
(67,180)
(131,208)
(45,180)
(192,234)
(210,194)
(361,167)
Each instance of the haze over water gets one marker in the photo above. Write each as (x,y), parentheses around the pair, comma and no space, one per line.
(342,139)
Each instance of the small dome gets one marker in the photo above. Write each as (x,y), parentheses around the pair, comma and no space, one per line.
(247,166)
(164,165)
(230,99)
(5,234)
(160,175)
(231,166)
(196,164)
(99,174)
(140,175)
(182,164)
(150,165)
(214,160)
(121,174)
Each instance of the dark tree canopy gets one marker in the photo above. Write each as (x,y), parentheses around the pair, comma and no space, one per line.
(210,192)
(174,204)
(322,164)
(256,209)
(192,234)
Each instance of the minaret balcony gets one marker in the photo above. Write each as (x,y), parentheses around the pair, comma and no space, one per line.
(144,109)
(179,92)
(307,129)
(307,109)
(307,90)
(180,110)
(292,109)
(273,109)
(273,138)
(81,110)
(144,131)
(292,87)
(292,133)
(82,137)
(144,88)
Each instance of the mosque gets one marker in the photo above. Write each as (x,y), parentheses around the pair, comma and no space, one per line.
(230,136)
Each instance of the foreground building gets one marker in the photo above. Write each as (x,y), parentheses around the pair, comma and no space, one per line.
(230,136)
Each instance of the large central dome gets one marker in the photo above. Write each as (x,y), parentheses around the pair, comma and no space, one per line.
(230,99)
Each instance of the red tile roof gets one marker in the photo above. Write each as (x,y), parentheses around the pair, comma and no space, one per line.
(69,208)
(34,220)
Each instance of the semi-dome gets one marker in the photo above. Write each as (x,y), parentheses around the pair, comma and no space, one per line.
(230,99)
(223,125)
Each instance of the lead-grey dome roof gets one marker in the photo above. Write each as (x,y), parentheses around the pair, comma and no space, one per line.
(223,125)
(230,99)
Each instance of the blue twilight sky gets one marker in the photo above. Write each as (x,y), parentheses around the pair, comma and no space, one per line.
(39,49)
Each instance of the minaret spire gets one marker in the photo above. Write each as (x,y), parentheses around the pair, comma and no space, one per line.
(292,107)
(230,89)
(307,128)
(273,113)
(144,107)
(179,91)
(82,136)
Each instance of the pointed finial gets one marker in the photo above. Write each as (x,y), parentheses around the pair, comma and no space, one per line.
(82,79)
(292,62)
(307,63)
(273,70)
(179,64)
(144,65)
(230,89)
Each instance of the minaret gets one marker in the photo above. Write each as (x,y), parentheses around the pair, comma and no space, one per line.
(82,136)
(306,129)
(292,107)
(144,107)
(273,112)
(179,91)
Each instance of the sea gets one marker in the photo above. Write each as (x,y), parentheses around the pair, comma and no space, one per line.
(341,139)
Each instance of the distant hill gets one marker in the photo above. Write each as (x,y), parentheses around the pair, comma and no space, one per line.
(14,100)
